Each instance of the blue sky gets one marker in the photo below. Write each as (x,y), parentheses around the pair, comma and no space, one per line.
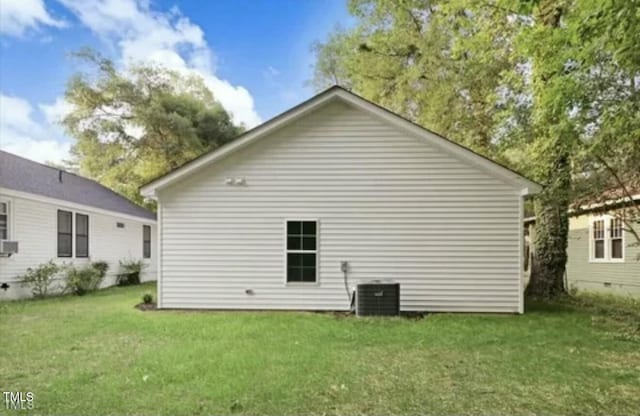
(254,55)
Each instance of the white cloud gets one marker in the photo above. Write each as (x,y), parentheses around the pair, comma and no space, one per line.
(169,38)
(22,135)
(56,111)
(18,16)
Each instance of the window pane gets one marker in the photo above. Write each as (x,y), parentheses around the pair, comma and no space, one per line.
(599,249)
(64,222)
(146,241)
(616,228)
(294,227)
(309,243)
(308,260)
(294,260)
(3,233)
(294,243)
(294,274)
(64,245)
(3,207)
(82,224)
(309,228)
(82,246)
(3,222)
(309,274)
(616,248)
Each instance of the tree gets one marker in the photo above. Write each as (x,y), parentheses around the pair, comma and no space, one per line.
(438,63)
(135,124)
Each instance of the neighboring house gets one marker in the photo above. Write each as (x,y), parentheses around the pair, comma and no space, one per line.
(53,214)
(265,221)
(603,255)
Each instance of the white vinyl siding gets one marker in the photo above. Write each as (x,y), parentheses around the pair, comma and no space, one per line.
(34,226)
(391,205)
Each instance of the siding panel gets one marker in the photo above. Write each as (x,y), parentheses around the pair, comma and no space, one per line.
(394,207)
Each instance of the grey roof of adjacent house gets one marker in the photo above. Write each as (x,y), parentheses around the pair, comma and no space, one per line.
(24,175)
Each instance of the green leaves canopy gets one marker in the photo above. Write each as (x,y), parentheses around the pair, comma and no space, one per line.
(133,125)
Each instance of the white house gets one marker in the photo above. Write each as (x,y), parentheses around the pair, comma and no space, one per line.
(53,214)
(265,221)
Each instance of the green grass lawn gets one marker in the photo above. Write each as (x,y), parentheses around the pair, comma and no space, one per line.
(98,355)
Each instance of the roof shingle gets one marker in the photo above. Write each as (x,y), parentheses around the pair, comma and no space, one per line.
(25,175)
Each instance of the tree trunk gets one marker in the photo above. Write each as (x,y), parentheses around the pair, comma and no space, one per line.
(552,228)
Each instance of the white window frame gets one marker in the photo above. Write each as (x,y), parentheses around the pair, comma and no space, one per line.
(287,251)
(9,217)
(610,243)
(607,240)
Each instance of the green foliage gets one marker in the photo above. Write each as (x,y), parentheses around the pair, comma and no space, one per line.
(133,125)
(81,280)
(101,267)
(130,271)
(147,299)
(39,278)
(437,63)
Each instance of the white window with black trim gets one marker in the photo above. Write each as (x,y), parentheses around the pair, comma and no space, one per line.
(606,239)
(302,251)
(5,219)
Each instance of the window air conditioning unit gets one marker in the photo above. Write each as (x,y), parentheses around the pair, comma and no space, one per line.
(8,248)
(378,298)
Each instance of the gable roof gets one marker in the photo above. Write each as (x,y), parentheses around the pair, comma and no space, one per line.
(24,175)
(337,93)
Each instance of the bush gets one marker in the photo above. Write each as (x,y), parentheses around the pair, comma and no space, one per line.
(101,266)
(81,280)
(39,278)
(147,298)
(130,271)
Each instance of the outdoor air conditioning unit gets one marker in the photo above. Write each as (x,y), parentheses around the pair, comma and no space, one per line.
(8,248)
(378,298)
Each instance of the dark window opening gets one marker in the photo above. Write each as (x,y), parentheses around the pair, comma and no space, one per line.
(65,234)
(146,241)
(301,251)
(82,235)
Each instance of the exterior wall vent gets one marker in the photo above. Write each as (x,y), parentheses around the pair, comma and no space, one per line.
(378,298)
(120,224)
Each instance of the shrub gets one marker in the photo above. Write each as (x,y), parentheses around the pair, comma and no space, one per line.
(101,266)
(39,278)
(147,298)
(130,271)
(81,280)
